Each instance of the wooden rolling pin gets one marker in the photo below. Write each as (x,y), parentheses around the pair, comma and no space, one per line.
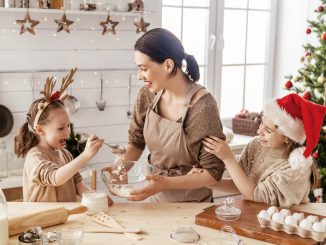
(43,219)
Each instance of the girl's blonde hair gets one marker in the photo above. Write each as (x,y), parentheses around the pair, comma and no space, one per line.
(315,177)
(26,138)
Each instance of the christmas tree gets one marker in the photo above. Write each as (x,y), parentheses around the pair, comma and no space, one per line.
(310,82)
(74,143)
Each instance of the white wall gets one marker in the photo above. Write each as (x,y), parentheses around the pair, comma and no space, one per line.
(290,36)
(83,48)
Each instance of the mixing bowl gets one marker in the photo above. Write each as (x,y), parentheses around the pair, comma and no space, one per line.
(123,178)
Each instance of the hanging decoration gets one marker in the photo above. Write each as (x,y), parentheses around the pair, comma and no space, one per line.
(63,23)
(141,25)
(105,27)
(27,24)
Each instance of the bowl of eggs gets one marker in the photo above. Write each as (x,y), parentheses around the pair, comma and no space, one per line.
(310,226)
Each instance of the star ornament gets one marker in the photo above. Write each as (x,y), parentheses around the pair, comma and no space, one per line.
(141,25)
(105,27)
(27,24)
(63,23)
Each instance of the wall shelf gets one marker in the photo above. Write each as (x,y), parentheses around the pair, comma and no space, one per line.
(73,12)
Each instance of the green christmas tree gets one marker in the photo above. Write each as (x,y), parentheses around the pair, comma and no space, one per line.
(310,82)
(74,143)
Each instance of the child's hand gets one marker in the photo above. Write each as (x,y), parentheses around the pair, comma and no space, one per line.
(217,147)
(93,144)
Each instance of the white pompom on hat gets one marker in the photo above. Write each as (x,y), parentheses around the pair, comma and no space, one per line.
(300,120)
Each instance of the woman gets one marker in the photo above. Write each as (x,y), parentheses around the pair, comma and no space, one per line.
(172,115)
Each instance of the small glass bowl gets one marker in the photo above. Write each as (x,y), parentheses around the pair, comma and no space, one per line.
(185,234)
(123,178)
(69,236)
(228,212)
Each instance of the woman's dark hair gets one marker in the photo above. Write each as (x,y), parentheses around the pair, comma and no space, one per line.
(160,44)
(27,139)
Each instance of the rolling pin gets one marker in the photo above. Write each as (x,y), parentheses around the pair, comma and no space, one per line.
(43,219)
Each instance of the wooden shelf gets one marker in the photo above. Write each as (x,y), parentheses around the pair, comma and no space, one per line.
(74,12)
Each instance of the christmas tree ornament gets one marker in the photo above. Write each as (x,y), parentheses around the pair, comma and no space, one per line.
(308,59)
(321,79)
(63,23)
(320,9)
(27,24)
(296,79)
(105,27)
(308,53)
(323,36)
(141,25)
(306,95)
(288,85)
(315,155)
(308,31)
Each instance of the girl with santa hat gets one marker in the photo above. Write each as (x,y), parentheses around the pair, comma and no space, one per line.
(275,167)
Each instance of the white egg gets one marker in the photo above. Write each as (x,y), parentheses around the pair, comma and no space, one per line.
(285,212)
(323,221)
(264,215)
(298,216)
(290,220)
(305,224)
(278,218)
(271,210)
(317,226)
(312,218)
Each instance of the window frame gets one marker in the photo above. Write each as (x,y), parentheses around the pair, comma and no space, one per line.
(214,50)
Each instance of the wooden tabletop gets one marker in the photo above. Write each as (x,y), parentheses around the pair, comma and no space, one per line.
(157,220)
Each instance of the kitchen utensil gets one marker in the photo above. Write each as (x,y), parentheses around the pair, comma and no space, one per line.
(129,112)
(6,122)
(45,218)
(231,236)
(121,179)
(114,148)
(101,103)
(72,103)
(186,234)
(106,220)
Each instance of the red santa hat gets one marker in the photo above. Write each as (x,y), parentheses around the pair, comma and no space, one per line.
(299,120)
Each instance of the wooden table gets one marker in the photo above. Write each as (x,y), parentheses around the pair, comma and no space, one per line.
(157,220)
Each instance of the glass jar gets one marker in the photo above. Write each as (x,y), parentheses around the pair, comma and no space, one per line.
(4,234)
(3,160)
(95,202)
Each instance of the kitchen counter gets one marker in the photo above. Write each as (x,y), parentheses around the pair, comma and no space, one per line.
(157,220)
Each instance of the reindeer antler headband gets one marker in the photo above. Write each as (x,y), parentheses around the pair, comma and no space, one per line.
(49,97)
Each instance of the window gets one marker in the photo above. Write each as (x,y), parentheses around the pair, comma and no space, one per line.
(233,43)
(188,20)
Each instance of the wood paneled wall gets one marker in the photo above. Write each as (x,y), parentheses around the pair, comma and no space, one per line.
(85,48)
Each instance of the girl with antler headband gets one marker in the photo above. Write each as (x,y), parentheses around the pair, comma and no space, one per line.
(50,173)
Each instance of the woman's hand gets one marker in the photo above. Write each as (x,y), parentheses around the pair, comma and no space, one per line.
(217,147)
(93,145)
(156,183)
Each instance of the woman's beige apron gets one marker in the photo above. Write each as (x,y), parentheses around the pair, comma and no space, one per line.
(166,142)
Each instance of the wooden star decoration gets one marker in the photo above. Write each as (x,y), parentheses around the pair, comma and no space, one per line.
(141,25)
(63,23)
(27,24)
(105,27)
